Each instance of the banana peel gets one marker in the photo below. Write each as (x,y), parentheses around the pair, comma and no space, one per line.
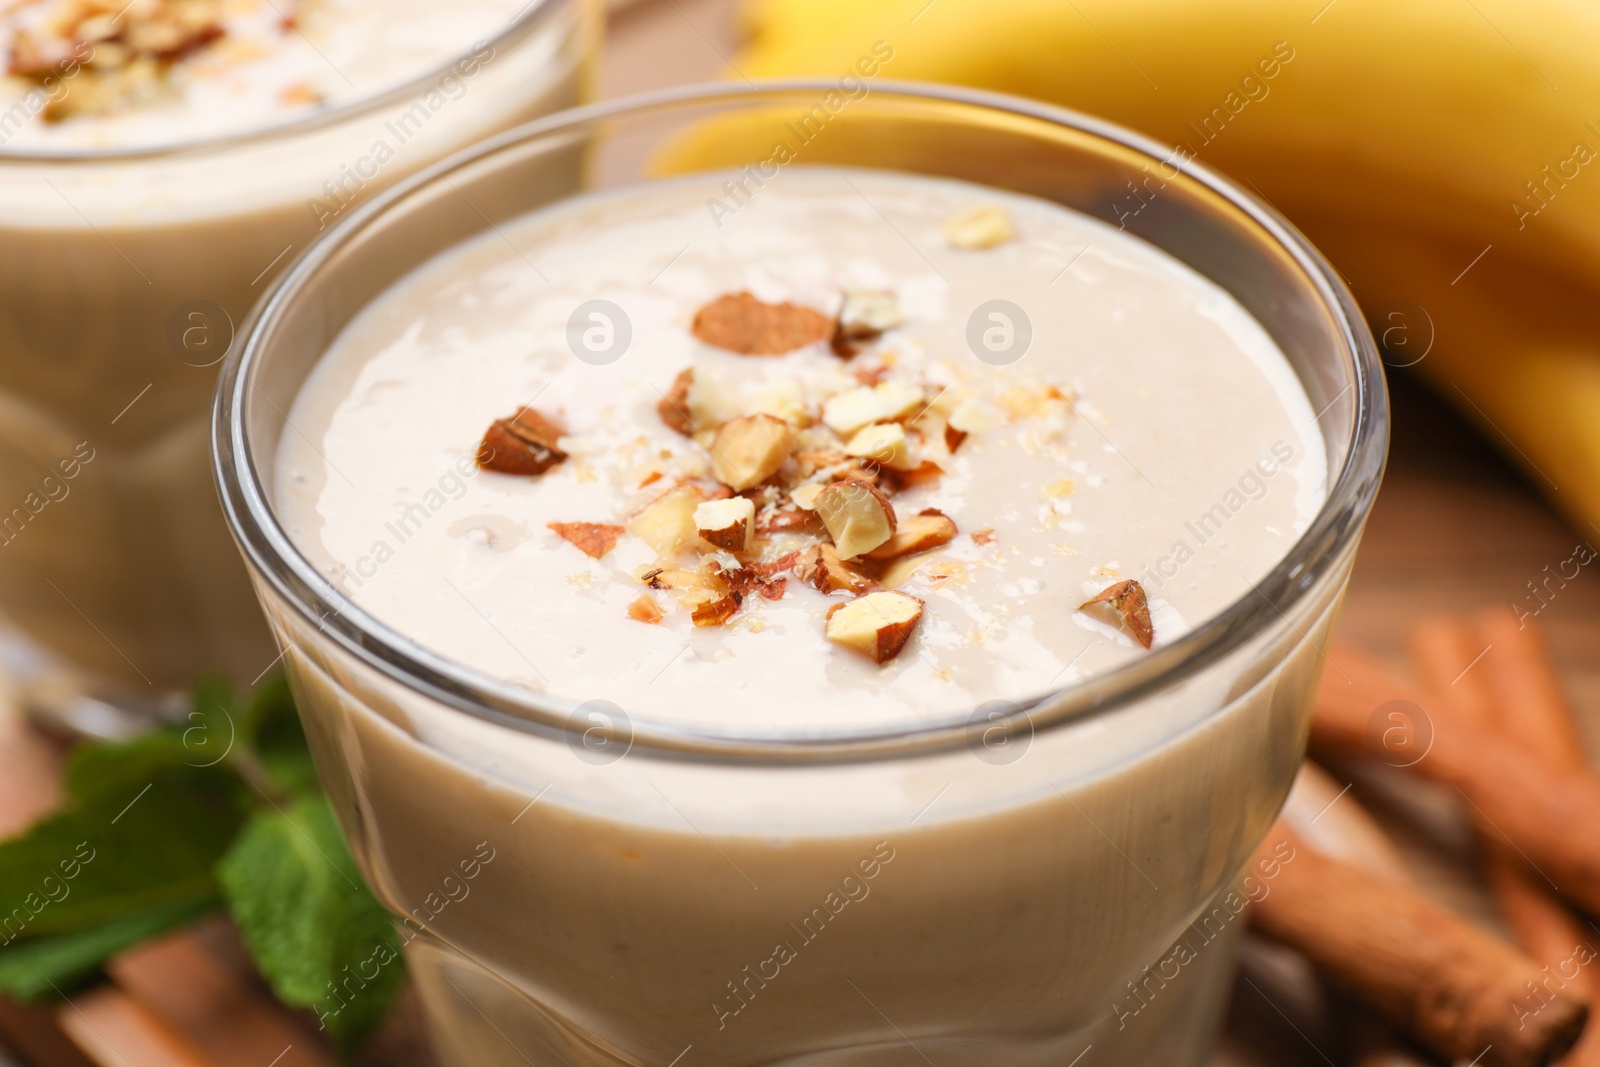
(1442,154)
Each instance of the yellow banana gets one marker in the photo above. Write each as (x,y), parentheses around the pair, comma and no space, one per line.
(1442,152)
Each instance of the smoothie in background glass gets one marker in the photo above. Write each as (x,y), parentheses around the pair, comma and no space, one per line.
(870,625)
(160,161)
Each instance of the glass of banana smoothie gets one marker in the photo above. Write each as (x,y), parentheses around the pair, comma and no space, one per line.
(160,161)
(824,593)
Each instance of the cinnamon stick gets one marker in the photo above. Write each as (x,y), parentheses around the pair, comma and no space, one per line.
(1454,986)
(1547,814)
(1522,677)
(1518,672)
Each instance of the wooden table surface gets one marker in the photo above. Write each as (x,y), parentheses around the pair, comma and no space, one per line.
(1456,529)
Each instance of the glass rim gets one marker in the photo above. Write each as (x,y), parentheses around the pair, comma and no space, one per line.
(528,20)
(1298,574)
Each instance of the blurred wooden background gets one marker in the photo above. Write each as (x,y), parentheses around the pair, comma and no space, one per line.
(1456,529)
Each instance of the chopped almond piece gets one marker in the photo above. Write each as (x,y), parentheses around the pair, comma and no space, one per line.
(729,524)
(846,412)
(1127,599)
(983,537)
(526,443)
(976,416)
(884,443)
(805,496)
(783,398)
(877,625)
(706,593)
(926,530)
(741,323)
(645,609)
(953,438)
(674,407)
(821,568)
(980,228)
(858,516)
(927,471)
(696,404)
(898,572)
(667,524)
(748,451)
(718,611)
(594,539)
(866,314)
(889,401)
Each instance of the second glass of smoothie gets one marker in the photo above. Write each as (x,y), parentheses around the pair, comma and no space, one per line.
(160,163)
(827,594)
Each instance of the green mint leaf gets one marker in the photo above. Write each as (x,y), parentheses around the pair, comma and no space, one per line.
(142,830)
(40,966)
(313,928)
(278,740)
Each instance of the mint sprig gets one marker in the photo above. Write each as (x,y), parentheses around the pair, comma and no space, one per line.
(162,829)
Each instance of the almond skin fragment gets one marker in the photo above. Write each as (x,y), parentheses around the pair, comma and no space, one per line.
(674,407)
(728,524)
(740,323)
(821,568)
(523,444)
(718,611)
(953,438)
(645,609)
(1127,599)
(921,532)
(877,625)
(748,451)
(859,518)
(594,539)
(766,580)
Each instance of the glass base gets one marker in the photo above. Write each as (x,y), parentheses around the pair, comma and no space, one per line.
(1170,1017)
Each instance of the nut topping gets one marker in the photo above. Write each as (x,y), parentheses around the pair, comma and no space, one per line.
(926,530)
(674,406)
(884,443)
(823,570)
(645,609)
(667,524)
(858,516)
(748,451)
(718,611)
(889,401)
(741,323)
(877,625)
(526,443)
(594,539)
(980,228)
(728,524)
(124,50)
(865,316)
(1127,599)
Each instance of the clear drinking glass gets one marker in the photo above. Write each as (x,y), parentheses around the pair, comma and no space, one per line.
(583,885)
(123,274)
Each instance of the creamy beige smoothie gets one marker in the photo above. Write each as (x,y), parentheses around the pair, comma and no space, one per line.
(160,161)
(867,452)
